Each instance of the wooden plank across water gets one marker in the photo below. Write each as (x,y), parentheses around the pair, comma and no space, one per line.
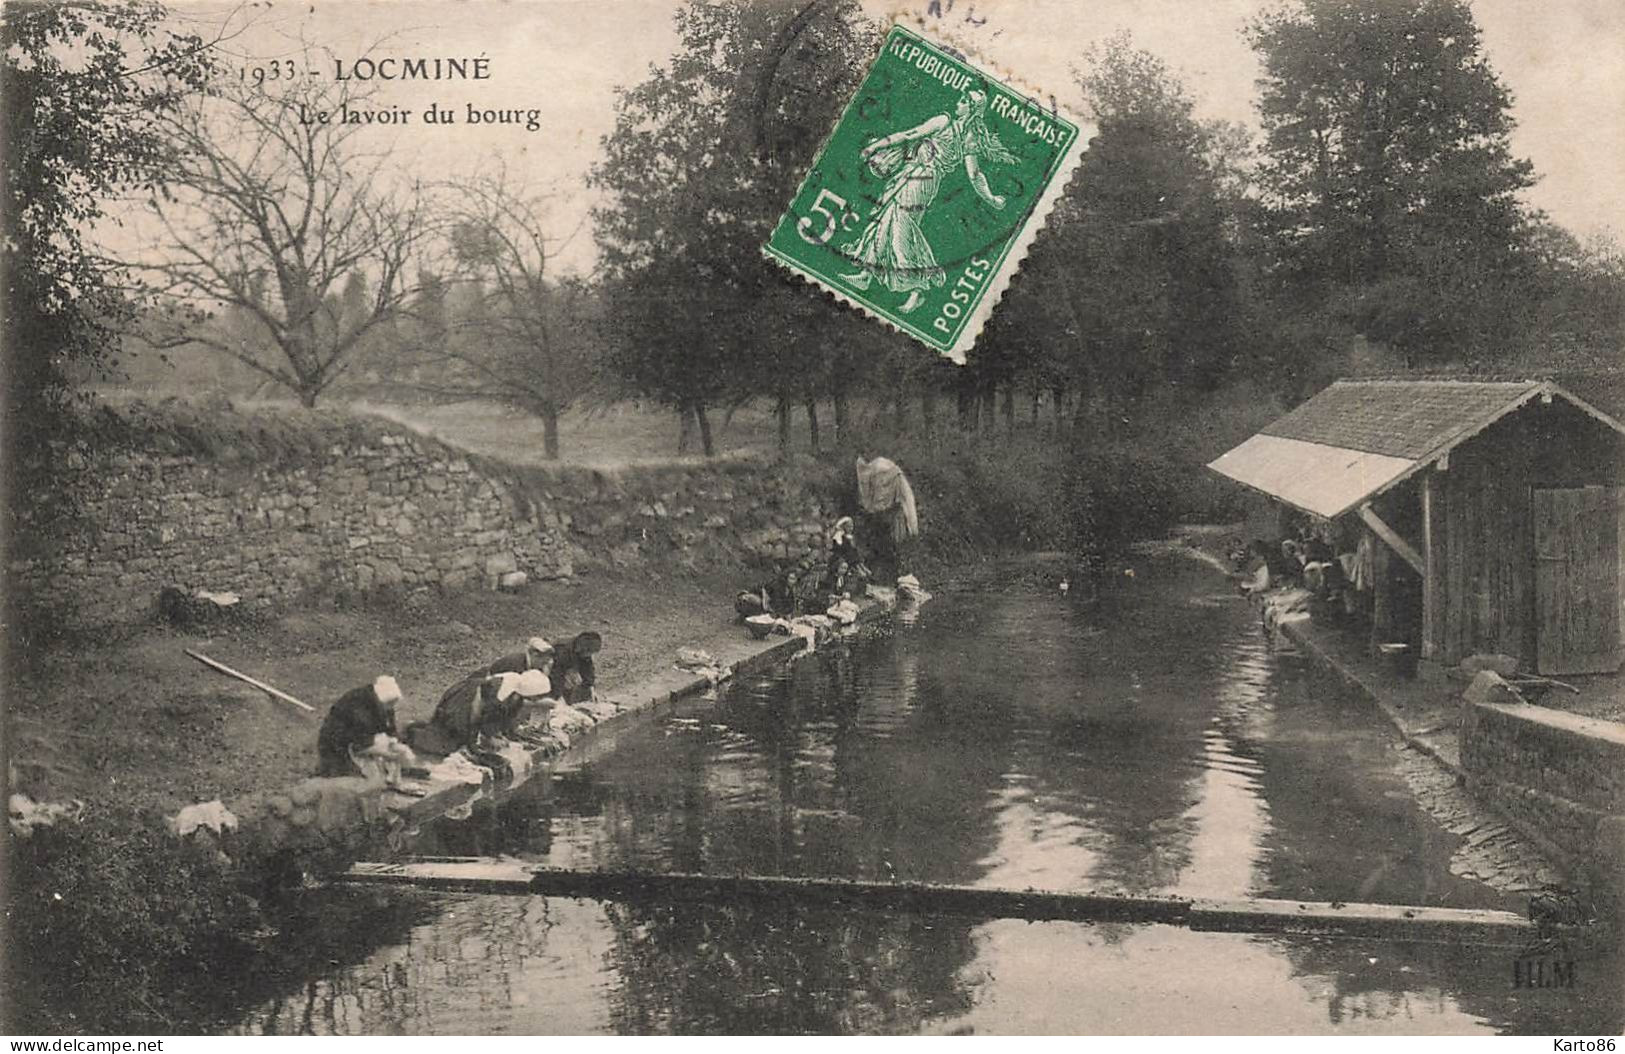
(1398,922)
(473,874)
(1392,921)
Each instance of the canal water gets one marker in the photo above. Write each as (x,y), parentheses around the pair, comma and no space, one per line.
(1148,740)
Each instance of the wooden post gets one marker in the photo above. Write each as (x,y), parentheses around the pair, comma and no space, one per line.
(1430,592)
(1382,600)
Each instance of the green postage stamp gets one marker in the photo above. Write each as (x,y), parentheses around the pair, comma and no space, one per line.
(923,200)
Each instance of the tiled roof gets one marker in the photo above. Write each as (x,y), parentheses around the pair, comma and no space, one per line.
(1604,390)
(1405,419)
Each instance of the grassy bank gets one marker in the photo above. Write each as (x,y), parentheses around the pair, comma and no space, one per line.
(135,729)
(135,720)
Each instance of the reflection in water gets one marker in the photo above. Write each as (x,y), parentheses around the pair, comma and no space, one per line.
(1230,817)
(1009,737)
(765,967)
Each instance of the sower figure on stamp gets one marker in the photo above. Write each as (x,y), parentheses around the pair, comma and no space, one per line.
(892,247)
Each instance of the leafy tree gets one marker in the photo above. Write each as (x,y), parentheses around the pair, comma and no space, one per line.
(1577,299)
(705,154)
(1390,186)
(1133,286)
(261,185)
(85,88)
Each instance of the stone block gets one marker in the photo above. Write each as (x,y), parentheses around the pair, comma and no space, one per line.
(1505,665)
(498,564)
(387,573)
(1489,687)
(512,581)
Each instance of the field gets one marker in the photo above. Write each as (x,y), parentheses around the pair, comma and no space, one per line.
(613,437)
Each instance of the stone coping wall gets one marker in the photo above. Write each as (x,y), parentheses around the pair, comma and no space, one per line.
(275,505)
(717,513)
(269,507)
(1559,777)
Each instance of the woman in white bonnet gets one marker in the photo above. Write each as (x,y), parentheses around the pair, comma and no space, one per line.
(353,722)
(490,707)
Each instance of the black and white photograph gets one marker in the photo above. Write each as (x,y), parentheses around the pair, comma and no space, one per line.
(736,518)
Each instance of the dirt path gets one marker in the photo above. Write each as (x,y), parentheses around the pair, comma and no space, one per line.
(138,723)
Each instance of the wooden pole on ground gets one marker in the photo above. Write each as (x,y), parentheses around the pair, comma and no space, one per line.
(261,685)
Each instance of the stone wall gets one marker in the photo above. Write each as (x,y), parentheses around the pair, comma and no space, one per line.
(343,504)
(720,512)
(388,510)
(1559,777)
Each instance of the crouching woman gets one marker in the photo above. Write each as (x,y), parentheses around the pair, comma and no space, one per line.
(479,711)
(353,724)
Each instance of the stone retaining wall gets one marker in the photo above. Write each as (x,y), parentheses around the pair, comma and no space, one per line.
(1559,777)
(723,511)
(393,510)
(368,505)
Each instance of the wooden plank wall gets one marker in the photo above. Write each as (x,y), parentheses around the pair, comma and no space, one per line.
(1487,601)
(1576,596)
(1483,531)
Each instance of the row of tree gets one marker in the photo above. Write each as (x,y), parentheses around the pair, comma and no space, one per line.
(1383,201)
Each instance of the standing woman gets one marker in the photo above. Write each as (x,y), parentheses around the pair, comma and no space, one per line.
(887,502)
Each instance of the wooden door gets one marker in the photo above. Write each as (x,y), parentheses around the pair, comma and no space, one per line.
(1577,610)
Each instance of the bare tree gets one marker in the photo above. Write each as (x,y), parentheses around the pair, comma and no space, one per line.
(519,337)
(274,202)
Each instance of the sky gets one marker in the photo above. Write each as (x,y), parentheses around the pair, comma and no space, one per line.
(1563,60)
